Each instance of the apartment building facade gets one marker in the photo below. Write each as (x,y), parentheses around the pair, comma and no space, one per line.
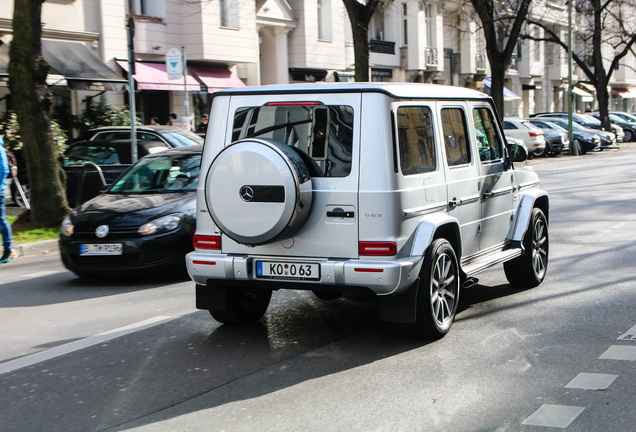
(230,43)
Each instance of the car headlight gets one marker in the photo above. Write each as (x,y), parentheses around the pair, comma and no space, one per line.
(162,224)
(67,227)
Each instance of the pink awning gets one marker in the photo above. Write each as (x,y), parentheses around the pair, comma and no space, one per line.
(153,76)
(216,78)
(626,93)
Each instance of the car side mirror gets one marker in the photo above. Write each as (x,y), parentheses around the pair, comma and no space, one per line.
(518,153)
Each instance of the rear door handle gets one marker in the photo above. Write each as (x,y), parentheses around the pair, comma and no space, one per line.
(455,202)
(340,214)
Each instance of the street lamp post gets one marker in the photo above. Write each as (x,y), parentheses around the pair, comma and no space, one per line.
(574,148)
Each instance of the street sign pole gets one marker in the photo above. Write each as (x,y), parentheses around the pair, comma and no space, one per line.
(185,85)
(130,27)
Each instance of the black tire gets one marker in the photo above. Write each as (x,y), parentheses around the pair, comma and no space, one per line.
(629,136)
(17,197)
(541,152)
(530,269)
(243,306)
(438,292)
(578,145)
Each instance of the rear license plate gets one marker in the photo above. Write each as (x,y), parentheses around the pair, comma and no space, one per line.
(102,249)
(287,270)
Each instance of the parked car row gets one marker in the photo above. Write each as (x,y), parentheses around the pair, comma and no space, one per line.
(547,133)
(110,149)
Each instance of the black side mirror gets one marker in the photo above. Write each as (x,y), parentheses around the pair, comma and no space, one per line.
(518,153)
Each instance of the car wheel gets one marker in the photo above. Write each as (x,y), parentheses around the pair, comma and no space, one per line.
(258,191)
(577,144)
(541,151)
(243,306)
(629,136)
(438,291)
(16,196)
(529,269)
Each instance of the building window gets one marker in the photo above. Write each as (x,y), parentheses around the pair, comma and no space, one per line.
(229,13)
(405,24)
(537,46)
(376,30)
(429,25)
(148,8)
(324,20)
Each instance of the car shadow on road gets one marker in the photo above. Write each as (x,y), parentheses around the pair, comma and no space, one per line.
(65,287)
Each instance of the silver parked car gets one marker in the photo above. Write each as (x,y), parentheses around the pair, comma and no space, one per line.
(400,191)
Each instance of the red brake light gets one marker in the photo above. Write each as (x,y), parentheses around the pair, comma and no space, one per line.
(534,134)
(377,248)
(293,103)
(207,242)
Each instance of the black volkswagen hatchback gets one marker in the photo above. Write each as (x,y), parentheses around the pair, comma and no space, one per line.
(144,222)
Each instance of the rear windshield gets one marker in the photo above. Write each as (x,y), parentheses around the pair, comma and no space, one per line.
(322,132)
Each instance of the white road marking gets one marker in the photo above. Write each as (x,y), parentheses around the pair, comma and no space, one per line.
(592,381)
(556,416)
(620,352)
(41,356)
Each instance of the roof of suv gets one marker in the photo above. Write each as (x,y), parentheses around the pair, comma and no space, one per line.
(401,90)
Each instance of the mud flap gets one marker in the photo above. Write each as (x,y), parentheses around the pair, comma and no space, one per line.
(401,308)
(211,297)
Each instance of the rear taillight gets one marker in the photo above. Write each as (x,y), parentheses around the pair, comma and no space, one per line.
(377,248)
(535,134)
(207,242)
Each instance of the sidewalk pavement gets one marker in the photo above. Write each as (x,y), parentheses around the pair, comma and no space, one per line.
(33,248)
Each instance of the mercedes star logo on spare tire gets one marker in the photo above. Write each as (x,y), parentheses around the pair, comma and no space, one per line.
(246,193)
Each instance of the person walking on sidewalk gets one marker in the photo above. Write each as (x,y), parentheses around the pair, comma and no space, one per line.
(5,228)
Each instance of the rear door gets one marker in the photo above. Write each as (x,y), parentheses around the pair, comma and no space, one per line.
(325,130)
(462,174)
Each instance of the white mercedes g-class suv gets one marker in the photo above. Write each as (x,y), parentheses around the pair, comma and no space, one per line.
(402,191)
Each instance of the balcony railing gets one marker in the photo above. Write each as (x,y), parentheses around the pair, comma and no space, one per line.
(480,62)
(431,56)
(383,47)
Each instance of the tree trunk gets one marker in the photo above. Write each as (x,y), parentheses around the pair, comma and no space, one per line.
(360,17)
(32,102)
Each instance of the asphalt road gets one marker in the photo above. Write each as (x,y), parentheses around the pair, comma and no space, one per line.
(106,355)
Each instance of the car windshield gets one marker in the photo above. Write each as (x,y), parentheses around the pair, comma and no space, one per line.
(160,174)
(182,137)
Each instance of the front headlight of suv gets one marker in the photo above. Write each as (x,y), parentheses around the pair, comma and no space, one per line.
(160,225)
(67,227)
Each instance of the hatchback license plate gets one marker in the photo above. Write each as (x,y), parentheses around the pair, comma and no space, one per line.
(287,270)
(102,249)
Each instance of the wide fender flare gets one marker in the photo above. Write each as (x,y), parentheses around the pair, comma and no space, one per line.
(425,233)
(524,213)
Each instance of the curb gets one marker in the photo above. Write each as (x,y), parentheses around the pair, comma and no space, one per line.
(36,248)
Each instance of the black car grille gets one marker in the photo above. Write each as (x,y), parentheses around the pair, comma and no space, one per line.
(148,259)
(119,231)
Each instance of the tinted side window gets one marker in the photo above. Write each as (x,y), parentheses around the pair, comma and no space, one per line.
(323,134)
(100,155)
(416,139)
(490,148)
(508,125)
(455,136)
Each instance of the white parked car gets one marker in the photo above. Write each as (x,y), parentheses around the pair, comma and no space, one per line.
(531,135)
(400,191)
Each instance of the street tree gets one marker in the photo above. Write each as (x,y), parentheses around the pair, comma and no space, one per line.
(360,15)
(501,22)
(605,34)
(32,104)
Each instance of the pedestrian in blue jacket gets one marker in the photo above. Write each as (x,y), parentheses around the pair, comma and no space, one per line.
(5,228)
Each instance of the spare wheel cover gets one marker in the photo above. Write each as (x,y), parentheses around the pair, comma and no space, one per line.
(258,191)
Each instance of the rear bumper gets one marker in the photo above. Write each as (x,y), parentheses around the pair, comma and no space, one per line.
(378,277)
